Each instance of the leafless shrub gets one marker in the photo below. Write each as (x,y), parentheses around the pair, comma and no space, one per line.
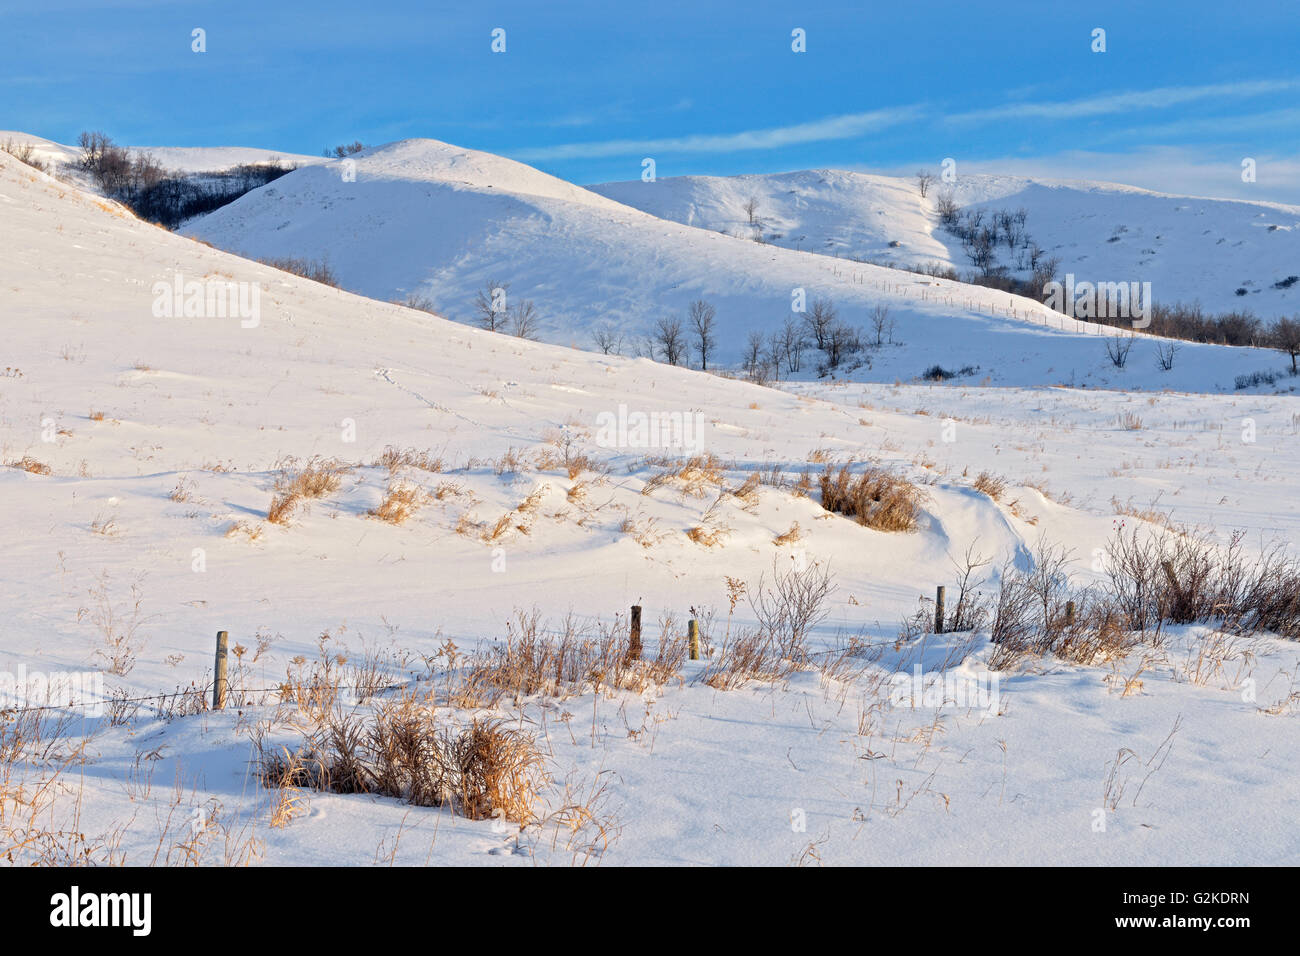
(748,655)
(1117,349)
(419,302)
(1037,613)
(1183,577)
(316,271)
(970,613)
(24,153)
(118,624)
(792,605)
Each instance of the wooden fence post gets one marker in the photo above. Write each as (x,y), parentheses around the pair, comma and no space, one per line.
(634,641)
(219,673)
(693,638)
(1069,613)
(939,593)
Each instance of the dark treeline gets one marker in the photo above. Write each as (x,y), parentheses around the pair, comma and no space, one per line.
(163,196)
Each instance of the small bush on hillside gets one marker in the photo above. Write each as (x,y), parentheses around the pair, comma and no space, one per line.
(937,373)
(317,271)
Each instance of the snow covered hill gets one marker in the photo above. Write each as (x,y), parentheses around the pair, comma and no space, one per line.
(1189,249)
(144,436)
(183,159)
(423,218)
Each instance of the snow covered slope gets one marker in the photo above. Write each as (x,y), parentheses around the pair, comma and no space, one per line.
(423,217)
(182,159)
(827,211)
(1189,249)
(153,444)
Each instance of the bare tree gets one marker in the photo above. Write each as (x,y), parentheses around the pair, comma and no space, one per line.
(608,339)
(752,357)
(772,359)
(415,300)
(924,179)
(980,247)
(523,320)
(702,317)
(947,209)
(818,320)
(93,146)
(490,303)
(751,208)
(792,345)
(1285,337)
(842,340)
(880,322)
(1044,275)
(347,149)
(1165,352)
(670,340)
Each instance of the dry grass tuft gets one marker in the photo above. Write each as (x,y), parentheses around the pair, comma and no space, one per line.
(253,532)
(484,771)
(877,497)
(298,484)
(394,458)
(498,530)
(748,492)
(708,537)
(789,537)
(642,529)
(494,772)
(401,501)
(32,466)
(578,657)
(752,655)
(991,485)
(694,476)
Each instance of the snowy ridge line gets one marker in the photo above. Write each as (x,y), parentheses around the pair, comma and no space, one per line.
(1036,317)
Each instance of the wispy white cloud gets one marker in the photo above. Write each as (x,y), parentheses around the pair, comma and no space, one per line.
(1158,98)
(1284,120)
(848,126)
(853,125)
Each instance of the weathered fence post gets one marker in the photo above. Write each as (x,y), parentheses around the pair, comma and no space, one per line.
(939,593)
(1069,613)
(219,673)
(693,639)
(634,639)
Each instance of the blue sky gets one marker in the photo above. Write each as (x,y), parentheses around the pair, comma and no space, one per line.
(584,90)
